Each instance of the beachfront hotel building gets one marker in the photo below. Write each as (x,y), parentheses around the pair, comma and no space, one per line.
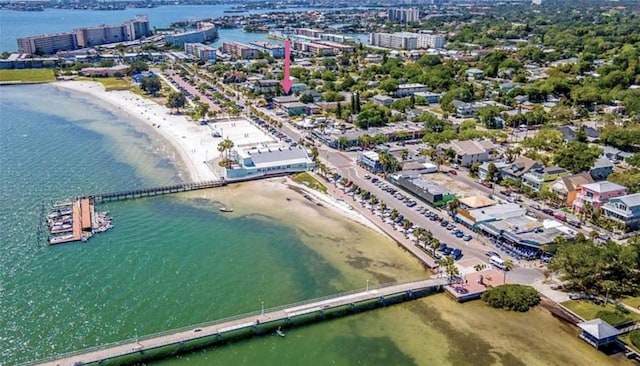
(48,43)
(201,51)
(130,30)
(261,163)
(206,32)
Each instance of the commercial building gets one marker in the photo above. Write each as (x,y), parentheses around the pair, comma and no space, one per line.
(426,190)
(401,40)
(201,51)
(410,15)
(274,50)
(256,163)
(370,161)
(206,32)
(239,50)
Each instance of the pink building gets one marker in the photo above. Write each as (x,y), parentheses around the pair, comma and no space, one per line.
(597,194)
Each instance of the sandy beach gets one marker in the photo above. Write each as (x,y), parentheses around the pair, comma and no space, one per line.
(193,142)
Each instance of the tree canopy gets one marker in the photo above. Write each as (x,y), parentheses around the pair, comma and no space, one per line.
(598,269)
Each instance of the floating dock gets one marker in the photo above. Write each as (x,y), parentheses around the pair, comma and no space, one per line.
(75,221)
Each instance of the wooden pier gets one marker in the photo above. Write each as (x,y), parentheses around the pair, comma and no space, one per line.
(155,191)
(185,339)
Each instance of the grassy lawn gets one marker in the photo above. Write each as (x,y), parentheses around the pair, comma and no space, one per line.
(626,338)
(634,302)
(28,75)
(588,309)
(309,181)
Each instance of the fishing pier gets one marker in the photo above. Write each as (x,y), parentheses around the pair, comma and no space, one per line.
(77,220)
(141,349)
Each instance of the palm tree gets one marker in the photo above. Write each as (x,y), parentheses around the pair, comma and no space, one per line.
(225,147)
(453,205)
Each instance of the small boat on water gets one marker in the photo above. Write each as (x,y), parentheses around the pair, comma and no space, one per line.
(279,332)
(226,209)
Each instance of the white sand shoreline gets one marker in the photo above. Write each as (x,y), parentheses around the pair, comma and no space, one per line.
(193,143)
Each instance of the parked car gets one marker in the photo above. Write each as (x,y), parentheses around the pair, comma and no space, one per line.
(367,176)
(466,237)
(548,211)
(453,172)
(442,247)
(535,206)
(456,254)
(459,234)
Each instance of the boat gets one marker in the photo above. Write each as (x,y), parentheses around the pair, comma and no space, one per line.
(279,332)
(226,209)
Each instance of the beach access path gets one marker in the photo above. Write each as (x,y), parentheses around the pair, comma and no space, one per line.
(193,143)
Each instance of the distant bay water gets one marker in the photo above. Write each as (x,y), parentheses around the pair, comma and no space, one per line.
(14,24)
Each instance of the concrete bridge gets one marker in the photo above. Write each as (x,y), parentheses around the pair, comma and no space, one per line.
(202,335)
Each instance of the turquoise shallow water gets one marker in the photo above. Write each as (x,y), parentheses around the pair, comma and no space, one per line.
(169,262)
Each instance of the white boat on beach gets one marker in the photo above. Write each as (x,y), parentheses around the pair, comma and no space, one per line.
(226,209)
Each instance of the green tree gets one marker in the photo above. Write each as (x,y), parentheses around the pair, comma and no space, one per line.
(577,156)
(592,269)
(176,100)
(151,84)
(388,85)
(372,116)
(511,297)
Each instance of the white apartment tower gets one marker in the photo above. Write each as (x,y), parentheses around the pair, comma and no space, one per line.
(409,15)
